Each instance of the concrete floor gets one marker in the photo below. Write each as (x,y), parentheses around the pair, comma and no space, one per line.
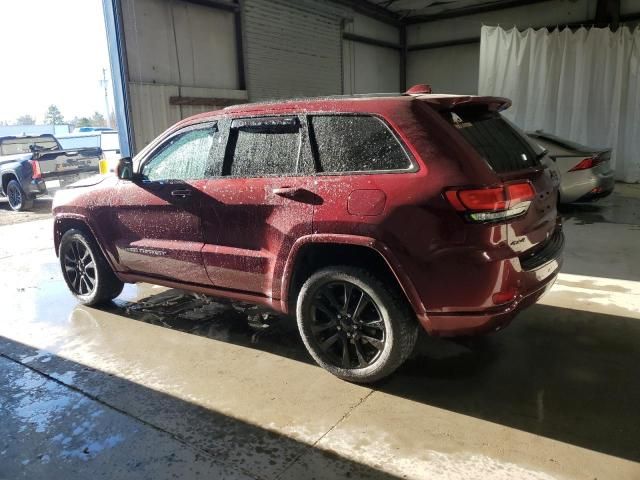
(41,209)
(182,387)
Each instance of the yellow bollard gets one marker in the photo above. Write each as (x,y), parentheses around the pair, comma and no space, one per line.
(104,166)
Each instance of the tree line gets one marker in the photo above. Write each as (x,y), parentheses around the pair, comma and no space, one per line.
(53,116)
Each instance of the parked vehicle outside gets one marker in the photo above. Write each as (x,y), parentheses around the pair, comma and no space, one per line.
(92,129)
(31,164)
(585,172)
(108,141)
(363,217)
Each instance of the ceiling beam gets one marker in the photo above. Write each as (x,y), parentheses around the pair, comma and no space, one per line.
(227,5)
(372,10)
(370,41)
(460,12)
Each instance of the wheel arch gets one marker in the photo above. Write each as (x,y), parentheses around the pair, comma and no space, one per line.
(6,178)
(63,223)
(313,252)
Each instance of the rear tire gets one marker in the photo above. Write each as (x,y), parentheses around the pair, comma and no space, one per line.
(354,325)
(85,270)
(19,201)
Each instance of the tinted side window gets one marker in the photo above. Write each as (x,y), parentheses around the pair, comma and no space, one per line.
(356,143)
(268,146)
(184,157)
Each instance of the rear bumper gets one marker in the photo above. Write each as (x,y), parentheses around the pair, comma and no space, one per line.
(58,180)
(530,285)
(603,189)
(586,185)
(36,187)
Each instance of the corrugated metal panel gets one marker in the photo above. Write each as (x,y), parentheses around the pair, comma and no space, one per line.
(370,69)
(292,48)
(176,48)
(150,111)
(189,110)
(180,43)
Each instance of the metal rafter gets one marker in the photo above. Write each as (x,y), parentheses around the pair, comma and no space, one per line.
(372,10)
(470,10)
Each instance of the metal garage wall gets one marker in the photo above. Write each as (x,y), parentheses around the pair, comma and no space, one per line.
(448,70)
(176,48)
(370,68)
(292,48)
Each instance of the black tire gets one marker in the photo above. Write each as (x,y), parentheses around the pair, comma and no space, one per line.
(19,201)
(372,353)
(85,270)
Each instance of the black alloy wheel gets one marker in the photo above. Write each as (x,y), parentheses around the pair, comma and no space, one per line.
(347,325)
(85,269)
(79,268)
(14,195)
(355,324)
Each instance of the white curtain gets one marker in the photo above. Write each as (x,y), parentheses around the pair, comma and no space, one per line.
(582,85)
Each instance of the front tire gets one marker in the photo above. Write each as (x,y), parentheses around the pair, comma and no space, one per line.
(354,325)
(18,199)
(85,270)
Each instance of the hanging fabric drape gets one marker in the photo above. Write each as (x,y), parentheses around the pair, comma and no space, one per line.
(582,85)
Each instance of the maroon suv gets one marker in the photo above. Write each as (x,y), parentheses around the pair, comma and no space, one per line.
(363,217)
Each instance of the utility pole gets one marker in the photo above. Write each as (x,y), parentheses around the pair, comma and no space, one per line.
(104,84)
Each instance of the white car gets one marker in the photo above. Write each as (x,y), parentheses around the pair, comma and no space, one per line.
(585,172)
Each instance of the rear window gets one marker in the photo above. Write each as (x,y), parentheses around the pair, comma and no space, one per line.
(13,146)
(494,138)
(356,143)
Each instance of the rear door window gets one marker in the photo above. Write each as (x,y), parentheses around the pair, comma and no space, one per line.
(356,143)
(495,139)
(263,147)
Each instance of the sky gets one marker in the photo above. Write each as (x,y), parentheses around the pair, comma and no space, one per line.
(52,52)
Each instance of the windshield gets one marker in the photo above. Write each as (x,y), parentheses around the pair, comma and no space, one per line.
(494,138)
(14,146)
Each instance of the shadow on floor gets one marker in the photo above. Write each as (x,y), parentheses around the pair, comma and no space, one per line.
(229,442)
(564,374)
(561,373)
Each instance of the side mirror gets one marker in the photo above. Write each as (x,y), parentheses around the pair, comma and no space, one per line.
(125,168)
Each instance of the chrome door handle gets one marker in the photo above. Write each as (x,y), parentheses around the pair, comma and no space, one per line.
(288,192)
(181,193)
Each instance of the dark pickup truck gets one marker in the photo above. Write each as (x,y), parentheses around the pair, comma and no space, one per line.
(31,164)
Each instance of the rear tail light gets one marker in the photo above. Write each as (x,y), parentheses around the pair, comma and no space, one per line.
(35,170)
(492,204)
(586,163)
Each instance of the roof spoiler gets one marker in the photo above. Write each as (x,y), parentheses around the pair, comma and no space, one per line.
(447,102)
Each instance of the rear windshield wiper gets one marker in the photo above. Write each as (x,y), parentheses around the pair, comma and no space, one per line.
(542,154)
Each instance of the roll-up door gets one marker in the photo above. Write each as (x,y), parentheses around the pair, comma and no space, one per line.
(293,48)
